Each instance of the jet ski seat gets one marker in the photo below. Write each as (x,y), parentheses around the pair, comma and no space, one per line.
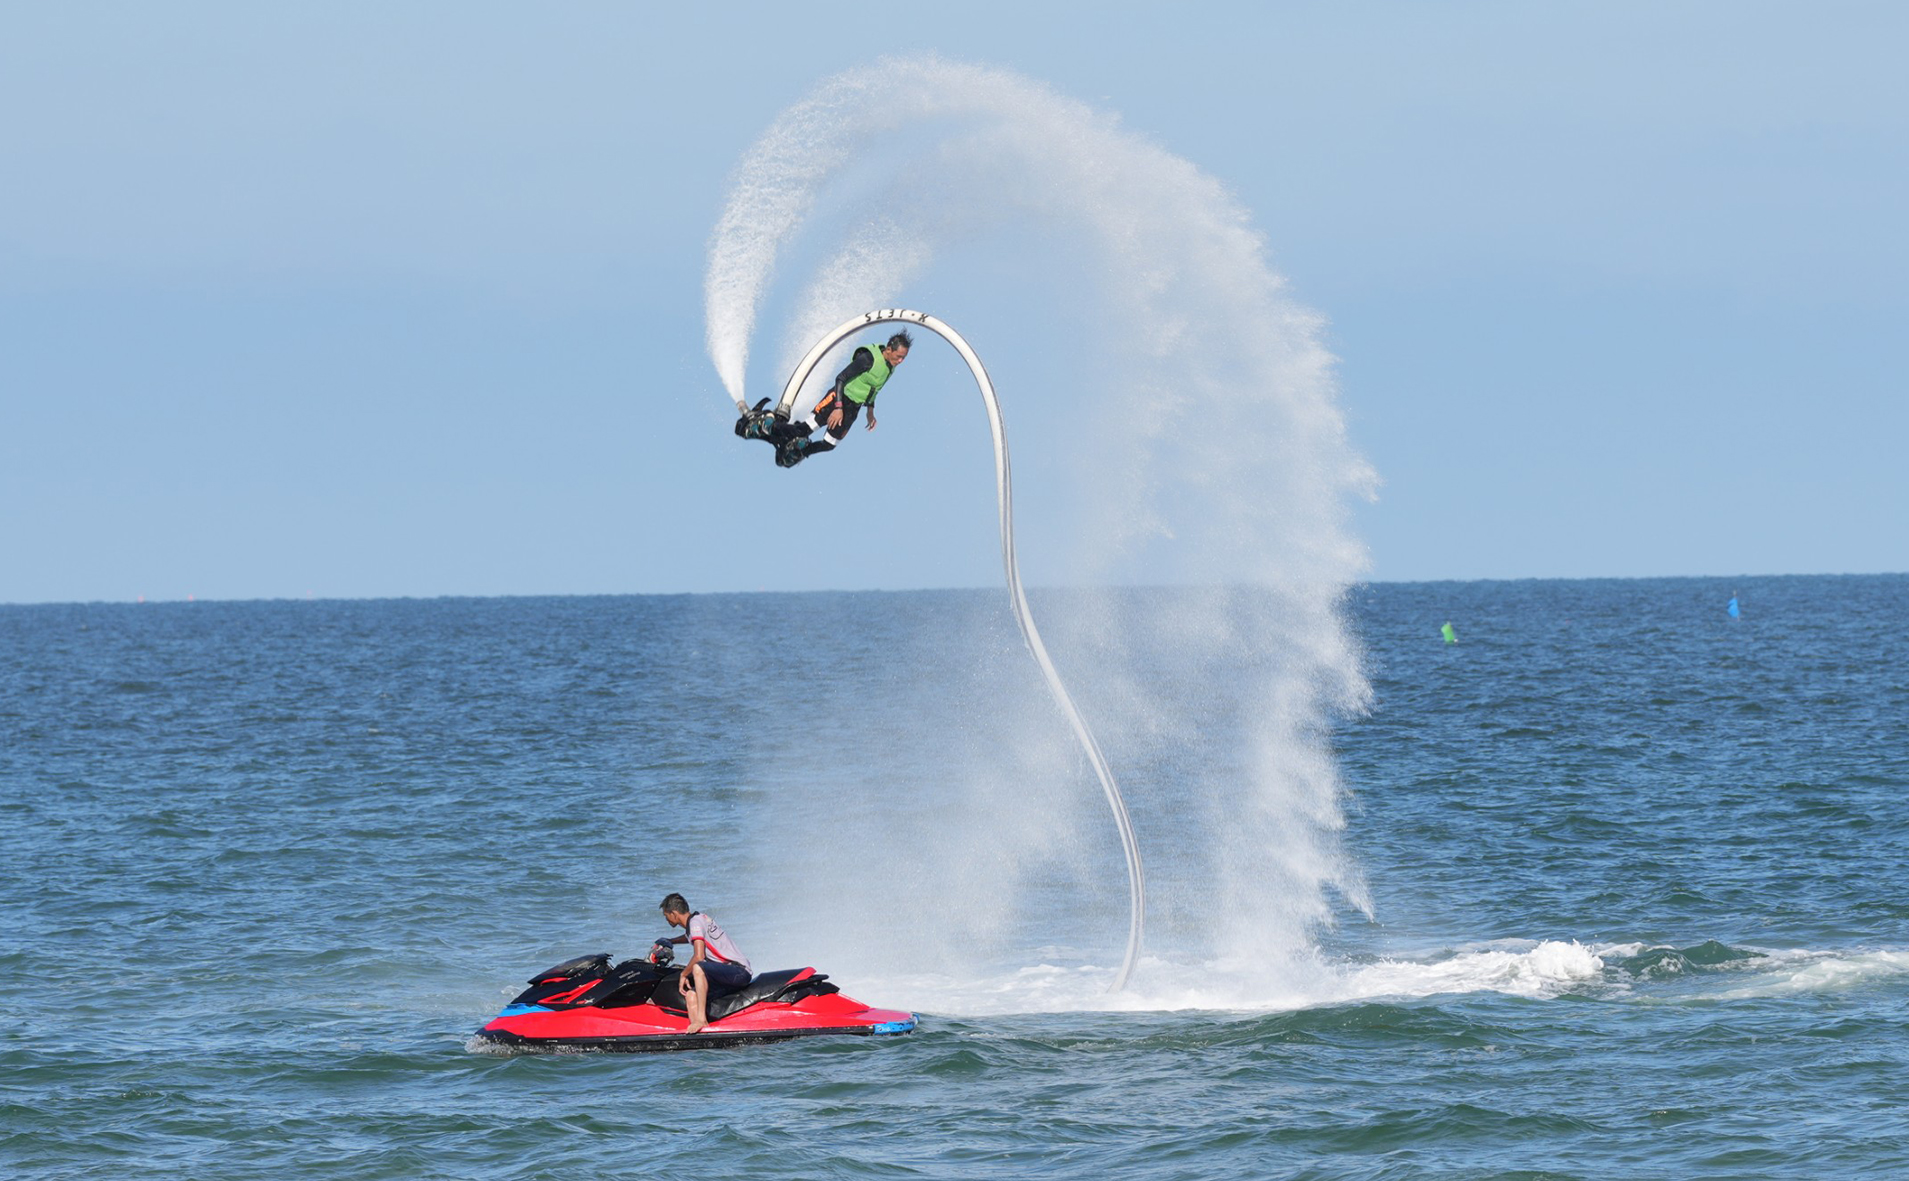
(789,985)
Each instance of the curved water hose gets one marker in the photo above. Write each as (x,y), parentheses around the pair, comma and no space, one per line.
(1136,876)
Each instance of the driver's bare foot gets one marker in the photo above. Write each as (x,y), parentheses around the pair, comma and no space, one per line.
(697,1028)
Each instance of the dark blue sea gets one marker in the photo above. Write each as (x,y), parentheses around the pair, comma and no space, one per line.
(1615,886)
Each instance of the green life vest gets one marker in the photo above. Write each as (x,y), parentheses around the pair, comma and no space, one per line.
(862,390)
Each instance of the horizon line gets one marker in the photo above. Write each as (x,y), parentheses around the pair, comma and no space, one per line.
(142,600)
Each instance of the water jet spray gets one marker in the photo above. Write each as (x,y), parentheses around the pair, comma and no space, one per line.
(1228,503)
(1003,482)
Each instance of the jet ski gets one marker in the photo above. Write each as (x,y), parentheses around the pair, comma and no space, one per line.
(588,1004)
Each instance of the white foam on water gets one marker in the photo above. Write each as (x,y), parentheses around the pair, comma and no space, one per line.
(1524,968)
(1795,973)
(1542,969)
(1537,969)
(1044,987)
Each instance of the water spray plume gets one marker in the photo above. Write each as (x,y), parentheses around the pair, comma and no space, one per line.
(1023,614)
(1234,479)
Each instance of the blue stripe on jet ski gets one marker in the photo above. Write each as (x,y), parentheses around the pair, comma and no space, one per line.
(520,1010)
(893,1026)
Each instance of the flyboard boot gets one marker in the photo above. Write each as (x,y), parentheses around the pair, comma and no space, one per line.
(790,439)
(793,441)
(768,425)
(794,450)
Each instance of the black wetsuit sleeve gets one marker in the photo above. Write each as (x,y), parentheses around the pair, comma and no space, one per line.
(860,363)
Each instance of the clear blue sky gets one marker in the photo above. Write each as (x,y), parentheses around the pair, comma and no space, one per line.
(367,299)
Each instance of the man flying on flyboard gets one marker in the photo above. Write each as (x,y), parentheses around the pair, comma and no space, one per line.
(854,389)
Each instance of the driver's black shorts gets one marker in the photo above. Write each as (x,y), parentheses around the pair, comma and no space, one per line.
(725,977)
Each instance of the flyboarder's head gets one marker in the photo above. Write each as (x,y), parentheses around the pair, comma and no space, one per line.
(676,911)
(896,350)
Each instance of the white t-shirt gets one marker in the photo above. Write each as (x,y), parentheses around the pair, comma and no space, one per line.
(720,945)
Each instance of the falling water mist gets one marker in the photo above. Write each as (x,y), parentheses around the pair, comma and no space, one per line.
(1213,684)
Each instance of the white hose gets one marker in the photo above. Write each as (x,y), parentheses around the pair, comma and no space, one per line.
(1136,876)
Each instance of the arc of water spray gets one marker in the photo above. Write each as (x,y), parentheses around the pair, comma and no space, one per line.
(1003,479)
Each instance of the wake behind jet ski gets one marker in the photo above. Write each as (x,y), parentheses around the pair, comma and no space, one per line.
(587,1004)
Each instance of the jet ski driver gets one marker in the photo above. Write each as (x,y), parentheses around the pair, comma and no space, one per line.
(716,966)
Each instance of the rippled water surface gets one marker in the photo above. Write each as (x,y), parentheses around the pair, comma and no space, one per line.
(1636,871)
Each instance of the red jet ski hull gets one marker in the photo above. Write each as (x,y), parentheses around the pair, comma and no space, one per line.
(648,1026)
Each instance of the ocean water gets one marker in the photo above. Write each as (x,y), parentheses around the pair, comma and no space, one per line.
(1635,873)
